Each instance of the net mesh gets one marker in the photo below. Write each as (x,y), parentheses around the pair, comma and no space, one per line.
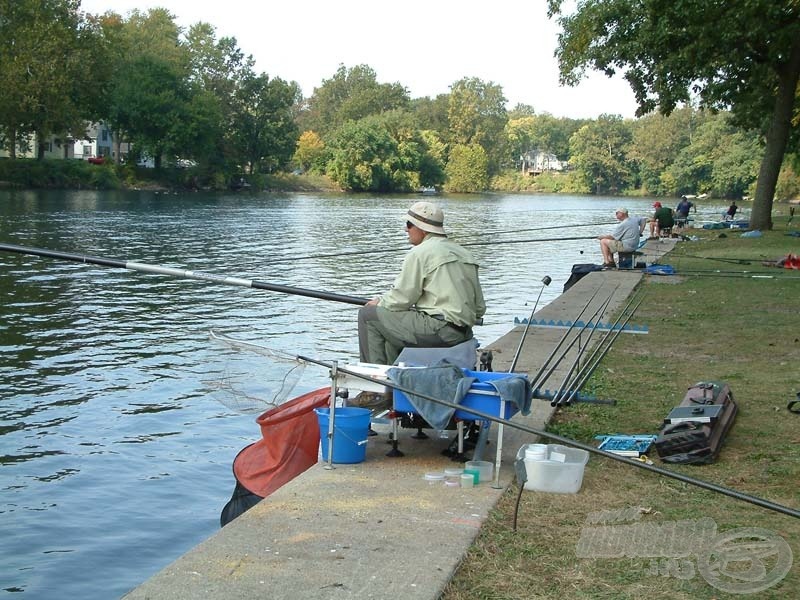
(250,378)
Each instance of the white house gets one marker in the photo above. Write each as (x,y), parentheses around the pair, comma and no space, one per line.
(535,162)
(54,147)
(98,143)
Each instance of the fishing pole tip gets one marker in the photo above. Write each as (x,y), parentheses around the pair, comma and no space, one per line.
(546,280)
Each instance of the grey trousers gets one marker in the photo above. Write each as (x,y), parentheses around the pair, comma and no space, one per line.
(382,334)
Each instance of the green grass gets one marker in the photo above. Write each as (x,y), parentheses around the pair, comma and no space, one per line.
(716,322)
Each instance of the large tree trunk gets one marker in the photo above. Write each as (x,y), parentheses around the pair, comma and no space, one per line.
(12,139)
(117,136)
(777,138)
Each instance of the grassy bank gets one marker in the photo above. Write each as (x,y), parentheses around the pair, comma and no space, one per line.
(716,321)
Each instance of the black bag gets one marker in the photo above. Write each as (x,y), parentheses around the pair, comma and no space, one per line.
(578,272)
(698,441)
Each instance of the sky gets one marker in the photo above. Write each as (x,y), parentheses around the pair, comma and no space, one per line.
(425,45)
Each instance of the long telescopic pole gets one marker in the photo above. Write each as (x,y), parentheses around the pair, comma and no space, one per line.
(402,248)
(535,378)
(591,369)
(545,281)
(786,510)
(563,389)
(597,349)
(159,270)
(540,381)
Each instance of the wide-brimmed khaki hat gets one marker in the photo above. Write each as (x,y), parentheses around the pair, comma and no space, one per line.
(427,216)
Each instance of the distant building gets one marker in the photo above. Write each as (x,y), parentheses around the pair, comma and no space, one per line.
(97,143)
(535,162)
(54,147)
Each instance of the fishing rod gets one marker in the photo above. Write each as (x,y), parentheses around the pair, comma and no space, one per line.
(401,248)
(160,270)
(786,510)
(535,378)
(545,281)
(563,389)
(405,248)
(735,261)
(540,381)
(578,376)
(547,227)
(591,369)
(735,274)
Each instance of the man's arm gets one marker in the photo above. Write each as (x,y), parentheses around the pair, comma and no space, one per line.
(407,287)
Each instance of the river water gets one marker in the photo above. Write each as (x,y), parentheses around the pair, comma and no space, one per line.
(117,434)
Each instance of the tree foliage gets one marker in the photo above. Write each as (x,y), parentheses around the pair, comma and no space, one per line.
(266,134)
(720,159)
(384,153)
(46,69)
(477,115)
(742,55)
(657,141)
(351,94)
(363,156)
(432,114)
(183,93)
(467,169)
(599,154)
(310,151)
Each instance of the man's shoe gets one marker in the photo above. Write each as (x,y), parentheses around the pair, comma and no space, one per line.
(609,265)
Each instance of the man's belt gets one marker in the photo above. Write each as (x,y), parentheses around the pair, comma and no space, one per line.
(460,328)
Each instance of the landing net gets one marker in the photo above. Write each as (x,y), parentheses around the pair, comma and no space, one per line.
(250,378)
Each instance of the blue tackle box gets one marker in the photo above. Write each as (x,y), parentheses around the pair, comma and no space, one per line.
(481,396)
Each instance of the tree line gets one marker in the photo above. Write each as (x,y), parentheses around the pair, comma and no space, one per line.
(178,94)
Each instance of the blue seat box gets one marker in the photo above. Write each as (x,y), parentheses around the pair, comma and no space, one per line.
(481,396)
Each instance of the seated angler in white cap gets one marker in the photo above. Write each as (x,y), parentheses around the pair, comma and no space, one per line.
(435,299)
(624,238)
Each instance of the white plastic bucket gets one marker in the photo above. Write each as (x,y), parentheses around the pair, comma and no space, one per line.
(560,472)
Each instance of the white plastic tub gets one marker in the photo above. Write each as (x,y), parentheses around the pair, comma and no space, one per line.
(560,472)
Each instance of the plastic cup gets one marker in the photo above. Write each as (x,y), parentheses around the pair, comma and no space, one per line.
(536,452)
(467,480)
(476,475)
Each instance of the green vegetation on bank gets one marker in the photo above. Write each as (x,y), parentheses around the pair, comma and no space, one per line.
(76,174)
(725,317)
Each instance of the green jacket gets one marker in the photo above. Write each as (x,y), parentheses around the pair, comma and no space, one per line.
(438,277)
(664,217)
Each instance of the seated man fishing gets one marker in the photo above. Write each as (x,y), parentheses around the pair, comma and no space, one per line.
(435,299)
(624,238)
(663,220)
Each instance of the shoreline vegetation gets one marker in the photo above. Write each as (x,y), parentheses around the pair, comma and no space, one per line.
(726,316)
(77,175)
